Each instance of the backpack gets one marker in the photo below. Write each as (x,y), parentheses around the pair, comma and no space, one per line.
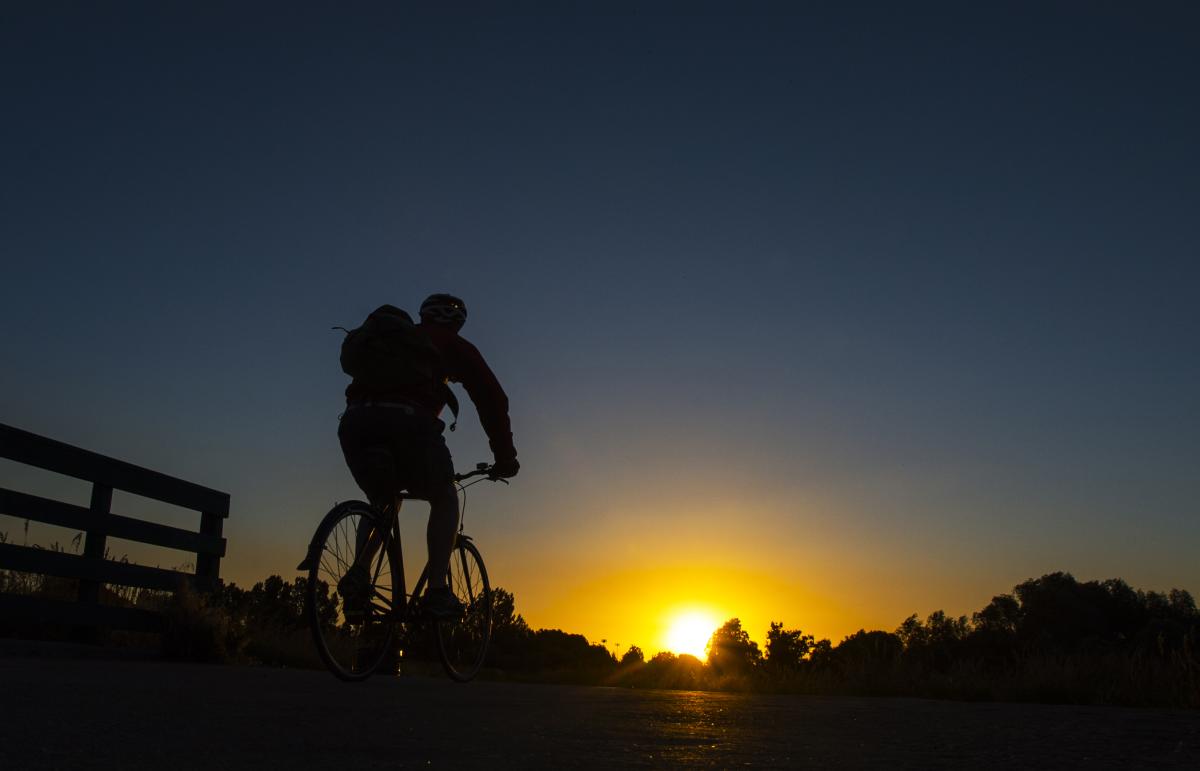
(388,351)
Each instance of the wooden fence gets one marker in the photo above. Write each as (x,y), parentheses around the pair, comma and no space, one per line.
(97,522)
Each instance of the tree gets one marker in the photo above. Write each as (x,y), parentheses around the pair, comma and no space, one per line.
(326,601)
(508,626)
(867,652)
(911,632)
(786,648)
(820,655)
(937,642)
(1001,616)
(511,646)
(1061,615)
(276,603)
(666,670)
(731,651)
(943,630)
(554,649)
(1181,603)
(633,656)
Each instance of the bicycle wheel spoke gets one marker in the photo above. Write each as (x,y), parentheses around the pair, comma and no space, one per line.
(462,642)
(462,553)
(337,541)
(345,565)
(351,639)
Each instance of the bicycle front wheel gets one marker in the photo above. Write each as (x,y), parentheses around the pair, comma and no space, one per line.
(463,641)
(352,626)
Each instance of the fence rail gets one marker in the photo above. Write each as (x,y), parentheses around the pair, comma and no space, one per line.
(97,522)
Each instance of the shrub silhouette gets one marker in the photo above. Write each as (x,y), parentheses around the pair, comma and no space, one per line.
(666,670)
(198,629)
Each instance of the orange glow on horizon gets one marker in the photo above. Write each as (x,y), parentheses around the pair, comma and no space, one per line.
(674,607)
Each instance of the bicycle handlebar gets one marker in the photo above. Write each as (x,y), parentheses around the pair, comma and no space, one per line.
(481,470)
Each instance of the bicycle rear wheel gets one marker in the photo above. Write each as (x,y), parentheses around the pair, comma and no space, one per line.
(353,646)
(463,642)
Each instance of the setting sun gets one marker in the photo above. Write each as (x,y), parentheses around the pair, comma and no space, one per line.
(689,632)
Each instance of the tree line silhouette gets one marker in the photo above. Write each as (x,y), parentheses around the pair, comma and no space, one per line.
(1052,638)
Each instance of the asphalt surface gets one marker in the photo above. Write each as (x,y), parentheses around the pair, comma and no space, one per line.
(81,714)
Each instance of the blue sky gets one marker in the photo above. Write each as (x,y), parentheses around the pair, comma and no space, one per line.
(895,305)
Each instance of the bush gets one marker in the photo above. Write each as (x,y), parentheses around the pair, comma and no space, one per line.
(196,630)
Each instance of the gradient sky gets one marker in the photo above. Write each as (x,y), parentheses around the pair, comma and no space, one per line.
(822,313)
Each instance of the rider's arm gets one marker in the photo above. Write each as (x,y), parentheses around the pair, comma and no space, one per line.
(489,398)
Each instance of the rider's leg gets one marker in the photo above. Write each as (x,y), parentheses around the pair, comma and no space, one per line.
(441,532)
(374,469)
(368,543)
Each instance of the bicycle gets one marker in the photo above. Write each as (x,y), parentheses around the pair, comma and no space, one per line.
(355,645)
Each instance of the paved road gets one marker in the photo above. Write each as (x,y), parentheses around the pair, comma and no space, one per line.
(74,714)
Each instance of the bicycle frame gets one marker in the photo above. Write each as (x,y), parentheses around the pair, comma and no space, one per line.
(402,602)
(359,536)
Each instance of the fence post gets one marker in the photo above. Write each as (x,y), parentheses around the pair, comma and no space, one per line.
(208,566)
(95,540)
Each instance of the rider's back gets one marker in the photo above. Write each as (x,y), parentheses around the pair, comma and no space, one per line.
(458,361)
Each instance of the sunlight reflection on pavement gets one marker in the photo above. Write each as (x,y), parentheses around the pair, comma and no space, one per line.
(154,714)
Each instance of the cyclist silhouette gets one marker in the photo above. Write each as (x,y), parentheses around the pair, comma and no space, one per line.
(391,435)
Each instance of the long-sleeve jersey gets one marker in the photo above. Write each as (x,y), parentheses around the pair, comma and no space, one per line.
(460,362)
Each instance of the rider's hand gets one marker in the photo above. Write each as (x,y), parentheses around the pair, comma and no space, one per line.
(505,467)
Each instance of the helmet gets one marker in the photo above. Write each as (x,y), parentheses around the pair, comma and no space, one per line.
(444,309)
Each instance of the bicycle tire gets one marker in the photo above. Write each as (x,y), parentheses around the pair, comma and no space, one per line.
(463,642)
(352,651)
